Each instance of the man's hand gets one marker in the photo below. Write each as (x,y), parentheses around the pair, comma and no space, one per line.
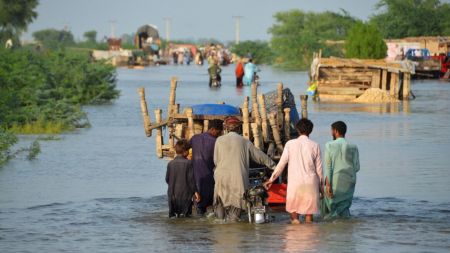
(328,189)
(267,184)
(321,193)
(197,197)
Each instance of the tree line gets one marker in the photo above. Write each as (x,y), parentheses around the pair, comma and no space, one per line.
(296,34)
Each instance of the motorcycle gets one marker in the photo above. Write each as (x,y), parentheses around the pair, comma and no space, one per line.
(215,81)
(256,197)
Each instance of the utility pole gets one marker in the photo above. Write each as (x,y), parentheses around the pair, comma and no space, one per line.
(66,26)
(238,28)
(167,22)
(113,28)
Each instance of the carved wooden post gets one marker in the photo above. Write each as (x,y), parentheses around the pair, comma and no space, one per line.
(256,136)
(172,107)
(159,138)
(144,110)
(190,123)
(276,132)
(205,125)
(304,102)
(264,126)
(179,131)
(255,110)
(245,123)
(287,124)
(280,105)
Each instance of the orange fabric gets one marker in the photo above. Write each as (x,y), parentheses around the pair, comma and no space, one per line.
(239,70)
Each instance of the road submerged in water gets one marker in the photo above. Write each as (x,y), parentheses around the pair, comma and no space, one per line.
(102,189)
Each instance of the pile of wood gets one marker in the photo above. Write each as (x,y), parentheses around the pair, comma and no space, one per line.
(267,127)
(347,79)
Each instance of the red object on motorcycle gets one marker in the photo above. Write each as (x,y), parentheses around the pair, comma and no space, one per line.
(277,194)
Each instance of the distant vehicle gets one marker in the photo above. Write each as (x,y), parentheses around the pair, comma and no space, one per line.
(215,82)
(427,66)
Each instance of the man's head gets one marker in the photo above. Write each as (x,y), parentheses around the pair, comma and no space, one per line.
(338,129)
(250,60)
(232,124)
(215,127)
(182,147)
(305,127)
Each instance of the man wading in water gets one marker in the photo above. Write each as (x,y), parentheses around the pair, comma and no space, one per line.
(232,154)
(203,163)
(341,165)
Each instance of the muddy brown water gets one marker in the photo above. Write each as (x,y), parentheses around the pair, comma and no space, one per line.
(102,189)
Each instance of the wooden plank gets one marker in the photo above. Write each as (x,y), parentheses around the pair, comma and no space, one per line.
(376,79)
(159,138)
(393,85)
(327,97)
(384,79)
(343,91)
(406,85)
(344,85)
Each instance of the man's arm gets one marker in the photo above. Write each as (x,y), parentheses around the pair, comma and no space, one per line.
(328,172)
(260,157)
(168,173)
(281,164)
(318,164)
(356,165)
(216,152)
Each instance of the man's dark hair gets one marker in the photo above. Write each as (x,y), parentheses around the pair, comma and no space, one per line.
(340,127)
(305,126)
(216,124)
(182,146)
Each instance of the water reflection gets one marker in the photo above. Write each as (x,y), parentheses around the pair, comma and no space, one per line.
(301,238)
(383,108)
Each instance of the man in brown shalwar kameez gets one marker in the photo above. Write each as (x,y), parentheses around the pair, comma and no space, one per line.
(232,154)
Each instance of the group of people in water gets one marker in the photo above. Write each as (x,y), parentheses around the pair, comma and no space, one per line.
(245,71)
(216,173)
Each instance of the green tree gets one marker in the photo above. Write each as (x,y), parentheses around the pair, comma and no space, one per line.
(15,17)
(52,38)
(407,18)
(364,41)
(90,36)
(297,34)
(260,50)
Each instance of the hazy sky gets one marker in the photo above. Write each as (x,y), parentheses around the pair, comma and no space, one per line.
(190,19)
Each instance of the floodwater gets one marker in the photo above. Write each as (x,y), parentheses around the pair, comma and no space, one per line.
(102,189)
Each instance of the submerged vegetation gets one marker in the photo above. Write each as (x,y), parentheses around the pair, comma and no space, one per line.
(7,139)
(41,92)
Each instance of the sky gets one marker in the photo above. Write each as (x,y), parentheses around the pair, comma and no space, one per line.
(192,19)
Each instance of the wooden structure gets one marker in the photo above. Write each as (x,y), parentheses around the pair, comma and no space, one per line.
(341,79)
(267,125)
